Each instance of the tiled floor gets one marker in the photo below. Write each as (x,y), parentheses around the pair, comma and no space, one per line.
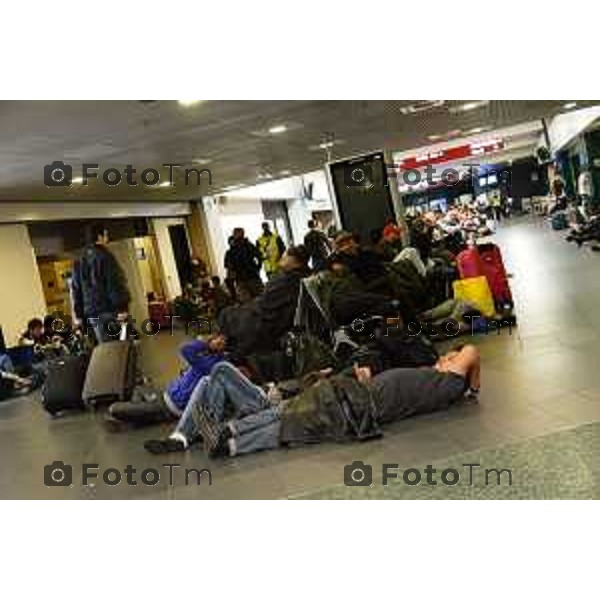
(542,378)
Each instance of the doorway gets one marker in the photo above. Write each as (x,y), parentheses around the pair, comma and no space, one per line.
(276,212)
(181,253)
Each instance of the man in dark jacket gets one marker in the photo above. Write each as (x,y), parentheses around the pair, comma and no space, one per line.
(243,261)
(259,325)
(100,294)
(318,247)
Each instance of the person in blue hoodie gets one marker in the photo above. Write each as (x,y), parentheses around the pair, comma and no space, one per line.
(150,406)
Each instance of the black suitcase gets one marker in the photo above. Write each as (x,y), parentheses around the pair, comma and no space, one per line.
(63,385)
(111,375)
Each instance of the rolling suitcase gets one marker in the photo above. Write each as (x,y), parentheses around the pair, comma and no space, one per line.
(495,273)
(111,373)
(63,385)
(469,263)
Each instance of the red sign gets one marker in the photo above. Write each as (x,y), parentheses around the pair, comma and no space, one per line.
(451,154)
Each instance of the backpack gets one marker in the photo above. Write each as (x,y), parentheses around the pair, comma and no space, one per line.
(307,353)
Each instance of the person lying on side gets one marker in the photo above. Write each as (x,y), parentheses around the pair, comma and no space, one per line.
(368,399)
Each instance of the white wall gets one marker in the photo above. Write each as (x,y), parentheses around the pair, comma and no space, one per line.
(299,214)
(22,296)
(564,127)
(165,254)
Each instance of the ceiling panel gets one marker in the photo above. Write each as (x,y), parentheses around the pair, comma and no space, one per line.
(232,135)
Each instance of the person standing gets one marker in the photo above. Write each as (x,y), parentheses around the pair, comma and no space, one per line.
(318,246)
(99,289)
(271,248)
(243,262)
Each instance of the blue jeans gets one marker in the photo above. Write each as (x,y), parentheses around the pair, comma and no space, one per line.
(6,364)
(256,426)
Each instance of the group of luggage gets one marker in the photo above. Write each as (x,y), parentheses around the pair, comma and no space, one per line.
(107,375)
(483,280)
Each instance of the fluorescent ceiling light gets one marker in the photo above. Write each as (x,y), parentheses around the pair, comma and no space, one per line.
(569,105)
(265,176)
(277,129)
(469,106)
(201,161)
(434,138)
(285,172)
(165,184)
(187,103)
(77,180)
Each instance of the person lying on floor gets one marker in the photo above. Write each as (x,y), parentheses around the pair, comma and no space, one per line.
(155,406)
(233,416)
(257,326)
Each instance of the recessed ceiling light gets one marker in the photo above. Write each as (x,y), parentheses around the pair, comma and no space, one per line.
(569,105)
(285,172)
(188,103)
(434,138)
(164,184)
(469,106)
(277,129)
(201,161)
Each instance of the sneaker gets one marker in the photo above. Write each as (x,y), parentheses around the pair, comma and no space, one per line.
(214,434)
(471,396)
(165,446)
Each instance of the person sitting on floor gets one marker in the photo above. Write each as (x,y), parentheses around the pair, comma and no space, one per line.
(258,325)
(221,297)
(156,406)
(260,422)
(34,334)
(367,265)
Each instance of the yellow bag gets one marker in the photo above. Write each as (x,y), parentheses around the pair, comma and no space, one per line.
(476,292)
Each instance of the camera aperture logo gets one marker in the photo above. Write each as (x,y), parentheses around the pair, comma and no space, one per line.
(360,474)
(59,474)
(59,174)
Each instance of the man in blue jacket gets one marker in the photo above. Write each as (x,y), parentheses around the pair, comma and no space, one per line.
(153,406)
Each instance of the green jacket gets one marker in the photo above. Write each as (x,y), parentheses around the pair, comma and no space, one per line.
(335,409)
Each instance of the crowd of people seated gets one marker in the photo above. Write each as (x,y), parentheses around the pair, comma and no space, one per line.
(579,214)
(270,377)
(23,368)
(234,398)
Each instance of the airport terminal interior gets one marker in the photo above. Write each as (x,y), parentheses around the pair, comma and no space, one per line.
(299,239)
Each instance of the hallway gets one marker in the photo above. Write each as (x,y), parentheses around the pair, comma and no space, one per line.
(541,378)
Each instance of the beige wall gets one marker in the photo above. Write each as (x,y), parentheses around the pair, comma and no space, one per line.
(166,256)
(22,296)
(124,252)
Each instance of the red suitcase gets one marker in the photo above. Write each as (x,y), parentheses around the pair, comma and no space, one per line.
(494,270)
(159,313)
(469,263)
